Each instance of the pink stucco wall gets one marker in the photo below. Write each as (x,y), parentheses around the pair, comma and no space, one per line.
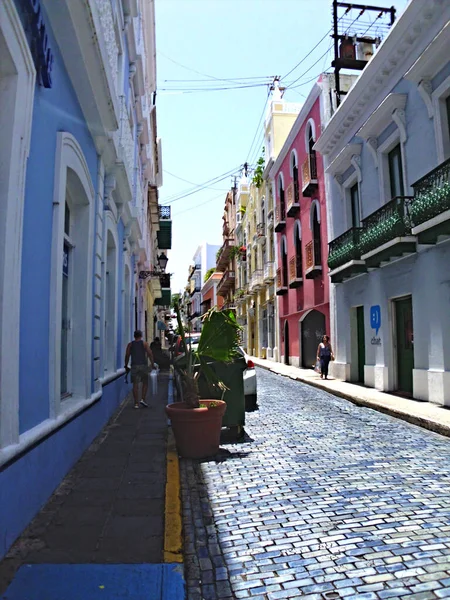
(313,293)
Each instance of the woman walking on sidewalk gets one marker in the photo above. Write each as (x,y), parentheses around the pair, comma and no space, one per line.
(324,355)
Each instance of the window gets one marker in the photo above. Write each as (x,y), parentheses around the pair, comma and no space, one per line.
(295,177)
(396,172)
(354,205)
(281,194)
(447,113)
(284,262)
(312,153)
(298,250)
(109,363)
(316,235)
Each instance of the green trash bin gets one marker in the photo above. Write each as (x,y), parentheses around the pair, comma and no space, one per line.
(232,376)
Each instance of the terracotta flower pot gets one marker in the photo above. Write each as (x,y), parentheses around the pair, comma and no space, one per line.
(197,430)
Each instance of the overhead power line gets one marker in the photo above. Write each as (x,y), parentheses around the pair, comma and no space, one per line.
(187,181)
(198,205)
(205,185)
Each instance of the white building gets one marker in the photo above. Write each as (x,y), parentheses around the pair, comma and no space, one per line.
(387,151)
(204,259)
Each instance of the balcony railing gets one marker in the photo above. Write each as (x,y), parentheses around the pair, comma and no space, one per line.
(344,248)
(295,272)
(165,280)
(270,218)
(226,283)
(313,261)
(293,205)
(281,283)
(387,232)
(280,217)
(260,233)
(164,213)
(269,271)
(257,279)
(309,175)
(430,208)
(223,256)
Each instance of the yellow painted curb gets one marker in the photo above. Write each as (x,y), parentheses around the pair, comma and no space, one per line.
(173,539)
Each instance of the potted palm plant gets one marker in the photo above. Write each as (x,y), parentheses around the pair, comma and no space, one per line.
(196,423)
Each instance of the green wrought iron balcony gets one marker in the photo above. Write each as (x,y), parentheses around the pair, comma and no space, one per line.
(165,298)
(386,233)
(344,256)
(164,234)
(430,209)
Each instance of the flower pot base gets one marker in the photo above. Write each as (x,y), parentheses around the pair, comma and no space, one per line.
(197,430)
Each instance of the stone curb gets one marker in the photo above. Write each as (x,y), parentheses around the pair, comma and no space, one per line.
(423,422)
(173,537)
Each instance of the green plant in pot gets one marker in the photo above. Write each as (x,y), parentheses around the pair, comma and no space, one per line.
(197,423)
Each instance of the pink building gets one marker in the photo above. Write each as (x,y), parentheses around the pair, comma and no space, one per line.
(302,282)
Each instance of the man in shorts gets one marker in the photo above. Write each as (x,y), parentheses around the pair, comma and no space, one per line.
(139,350)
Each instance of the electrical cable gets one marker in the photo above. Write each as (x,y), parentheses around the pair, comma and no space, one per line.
(187,181)
(259,123)
(175,198)
(309,69)
(194,90)
(198,205)
(202,185)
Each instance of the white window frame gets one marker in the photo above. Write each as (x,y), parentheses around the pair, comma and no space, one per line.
(441,124)
(111,227)
(312,125)
(69,155)
(291,166)
(383,170)
(314,204)
(12,192)
(354,178)
(126,301)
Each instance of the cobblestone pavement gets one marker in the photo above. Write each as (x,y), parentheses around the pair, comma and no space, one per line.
(321,500)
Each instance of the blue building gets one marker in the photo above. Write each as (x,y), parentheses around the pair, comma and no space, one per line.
(79,175)
(387,156)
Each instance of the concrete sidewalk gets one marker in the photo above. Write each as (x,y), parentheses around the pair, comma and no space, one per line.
(424,414)
(102,532)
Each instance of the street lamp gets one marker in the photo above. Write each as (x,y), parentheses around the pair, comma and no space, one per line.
(157,271)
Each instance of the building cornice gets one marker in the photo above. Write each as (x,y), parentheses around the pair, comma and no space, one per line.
(298,123)
(433,58)
(343,159)
(388,63)
(382,117)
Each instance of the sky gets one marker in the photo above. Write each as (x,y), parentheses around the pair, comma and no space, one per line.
(207,135)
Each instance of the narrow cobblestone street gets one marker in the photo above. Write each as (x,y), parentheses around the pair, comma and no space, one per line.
(321,500)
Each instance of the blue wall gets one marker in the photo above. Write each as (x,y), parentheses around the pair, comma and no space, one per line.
(27,484)
(55,110)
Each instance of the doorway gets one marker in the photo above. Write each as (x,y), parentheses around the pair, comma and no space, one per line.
(361,342)
(286,343)
(312,331)
(404,333)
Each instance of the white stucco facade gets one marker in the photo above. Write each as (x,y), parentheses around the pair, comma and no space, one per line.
(389,264)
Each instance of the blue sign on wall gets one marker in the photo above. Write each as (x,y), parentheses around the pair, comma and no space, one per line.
(375,323)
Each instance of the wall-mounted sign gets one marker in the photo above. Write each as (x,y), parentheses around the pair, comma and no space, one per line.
(375,323)
(38,40)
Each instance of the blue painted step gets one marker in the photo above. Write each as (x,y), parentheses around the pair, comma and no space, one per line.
(97,582)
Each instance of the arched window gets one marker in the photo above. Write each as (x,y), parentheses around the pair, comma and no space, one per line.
(315,227)
(298,249)
(281,195)
(311,152)
(110,322)
(284,262)
(126,306)
(294,166)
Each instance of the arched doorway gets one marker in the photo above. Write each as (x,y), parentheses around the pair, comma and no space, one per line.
(312,329)
(286,343)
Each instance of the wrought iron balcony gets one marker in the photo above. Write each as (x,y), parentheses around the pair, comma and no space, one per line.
(293,204)
(309,175)
(226,283)
(430,209)
(223,255)
(313,259)
(280,217)
(282,287)
(386,233)
(295,272)
(165,280)
(344,256)
(269,272)
(240,295)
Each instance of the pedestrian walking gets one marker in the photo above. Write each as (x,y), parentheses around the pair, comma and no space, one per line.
(324,355)
(139,352)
